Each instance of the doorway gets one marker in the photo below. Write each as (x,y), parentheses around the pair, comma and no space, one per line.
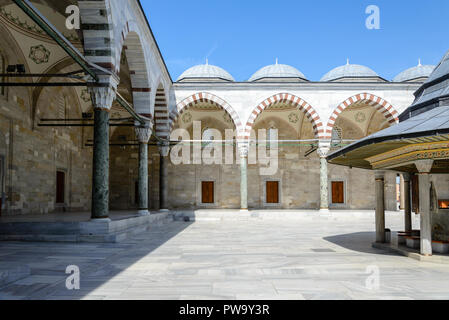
(338,192)
(60,187)
(207,192)
(272,188)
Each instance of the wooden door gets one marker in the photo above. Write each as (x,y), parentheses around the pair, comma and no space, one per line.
(207,188)
(272,191)
(338,192)
(415,194)
(60,187)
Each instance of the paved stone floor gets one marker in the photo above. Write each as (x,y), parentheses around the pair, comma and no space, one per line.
(309,257)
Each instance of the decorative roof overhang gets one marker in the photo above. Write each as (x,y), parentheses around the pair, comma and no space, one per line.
(425,136)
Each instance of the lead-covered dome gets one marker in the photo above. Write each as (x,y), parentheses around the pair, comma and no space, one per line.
(351,72)
(280,72)
(416,74)
(206,72)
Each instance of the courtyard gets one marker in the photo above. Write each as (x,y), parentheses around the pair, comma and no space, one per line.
(292,255)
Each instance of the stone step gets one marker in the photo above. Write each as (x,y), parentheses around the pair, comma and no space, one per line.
(10,272)
(93,232)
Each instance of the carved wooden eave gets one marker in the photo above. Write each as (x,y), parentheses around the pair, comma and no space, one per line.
(405,156)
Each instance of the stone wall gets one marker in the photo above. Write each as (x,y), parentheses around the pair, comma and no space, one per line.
(34,154)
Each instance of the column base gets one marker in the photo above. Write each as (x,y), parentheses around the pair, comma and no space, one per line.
(325,211)
(244,210)
(101,220)
(143,212)
(164,210)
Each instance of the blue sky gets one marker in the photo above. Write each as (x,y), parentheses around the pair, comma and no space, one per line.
(314,36)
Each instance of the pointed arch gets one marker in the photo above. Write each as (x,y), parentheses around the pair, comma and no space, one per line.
(380,104)
(131,46)
(299,103)
(202,97)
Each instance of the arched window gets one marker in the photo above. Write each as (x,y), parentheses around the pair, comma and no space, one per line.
(208,136)
(63,107)
(272,136)
(337,136)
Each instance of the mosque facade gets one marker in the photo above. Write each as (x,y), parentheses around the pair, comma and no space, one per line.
(89,120)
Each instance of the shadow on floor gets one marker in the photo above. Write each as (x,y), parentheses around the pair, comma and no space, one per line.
(98,263)
(360,242)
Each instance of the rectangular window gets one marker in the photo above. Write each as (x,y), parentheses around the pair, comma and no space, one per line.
(207,190)
(272,191)
(60,187)
(338,192)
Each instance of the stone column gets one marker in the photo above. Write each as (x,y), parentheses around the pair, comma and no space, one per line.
(380,207)
(102,99)
(143,134)
(424,168)
(243,152)
(323,151)
(407,202)
(164,151)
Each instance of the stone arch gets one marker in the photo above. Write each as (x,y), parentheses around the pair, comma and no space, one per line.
(208,98)
(161,113)
(380,104)
(98,33)
(301,104)
(132,46)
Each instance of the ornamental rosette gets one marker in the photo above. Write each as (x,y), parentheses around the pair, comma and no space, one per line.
(39,54)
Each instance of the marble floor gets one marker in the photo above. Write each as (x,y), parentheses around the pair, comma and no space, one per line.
(312,256)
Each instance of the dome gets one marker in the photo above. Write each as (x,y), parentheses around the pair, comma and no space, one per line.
(414,73)
(349,71)
(277,71)
(206,71)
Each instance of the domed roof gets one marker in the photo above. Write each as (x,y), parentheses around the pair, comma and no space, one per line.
(349,71)
(277,71)
(206,71)
(417,72)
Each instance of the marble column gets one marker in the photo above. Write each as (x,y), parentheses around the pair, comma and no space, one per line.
(380,207)
(407,202)
(164,151)
(243,152)
(143,134)
(102,99)
(424,168)
(323,151)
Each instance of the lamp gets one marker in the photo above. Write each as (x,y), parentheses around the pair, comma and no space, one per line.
(20,68)
(11,68)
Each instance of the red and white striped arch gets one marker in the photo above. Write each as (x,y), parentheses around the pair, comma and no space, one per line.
(204,97)
(380,104)
(293,100)
(140,81)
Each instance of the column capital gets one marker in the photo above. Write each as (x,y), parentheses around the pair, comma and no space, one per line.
(143,133)
(102,97)
(243,147)
(424,166)
(379,175)
(323,149)
(406,176)
(164,149)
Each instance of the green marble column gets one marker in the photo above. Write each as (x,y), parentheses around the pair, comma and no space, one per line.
(244,183)
(243,151)
(323,151)
(143,134)
(143,178)
(163,176)
(100,186)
